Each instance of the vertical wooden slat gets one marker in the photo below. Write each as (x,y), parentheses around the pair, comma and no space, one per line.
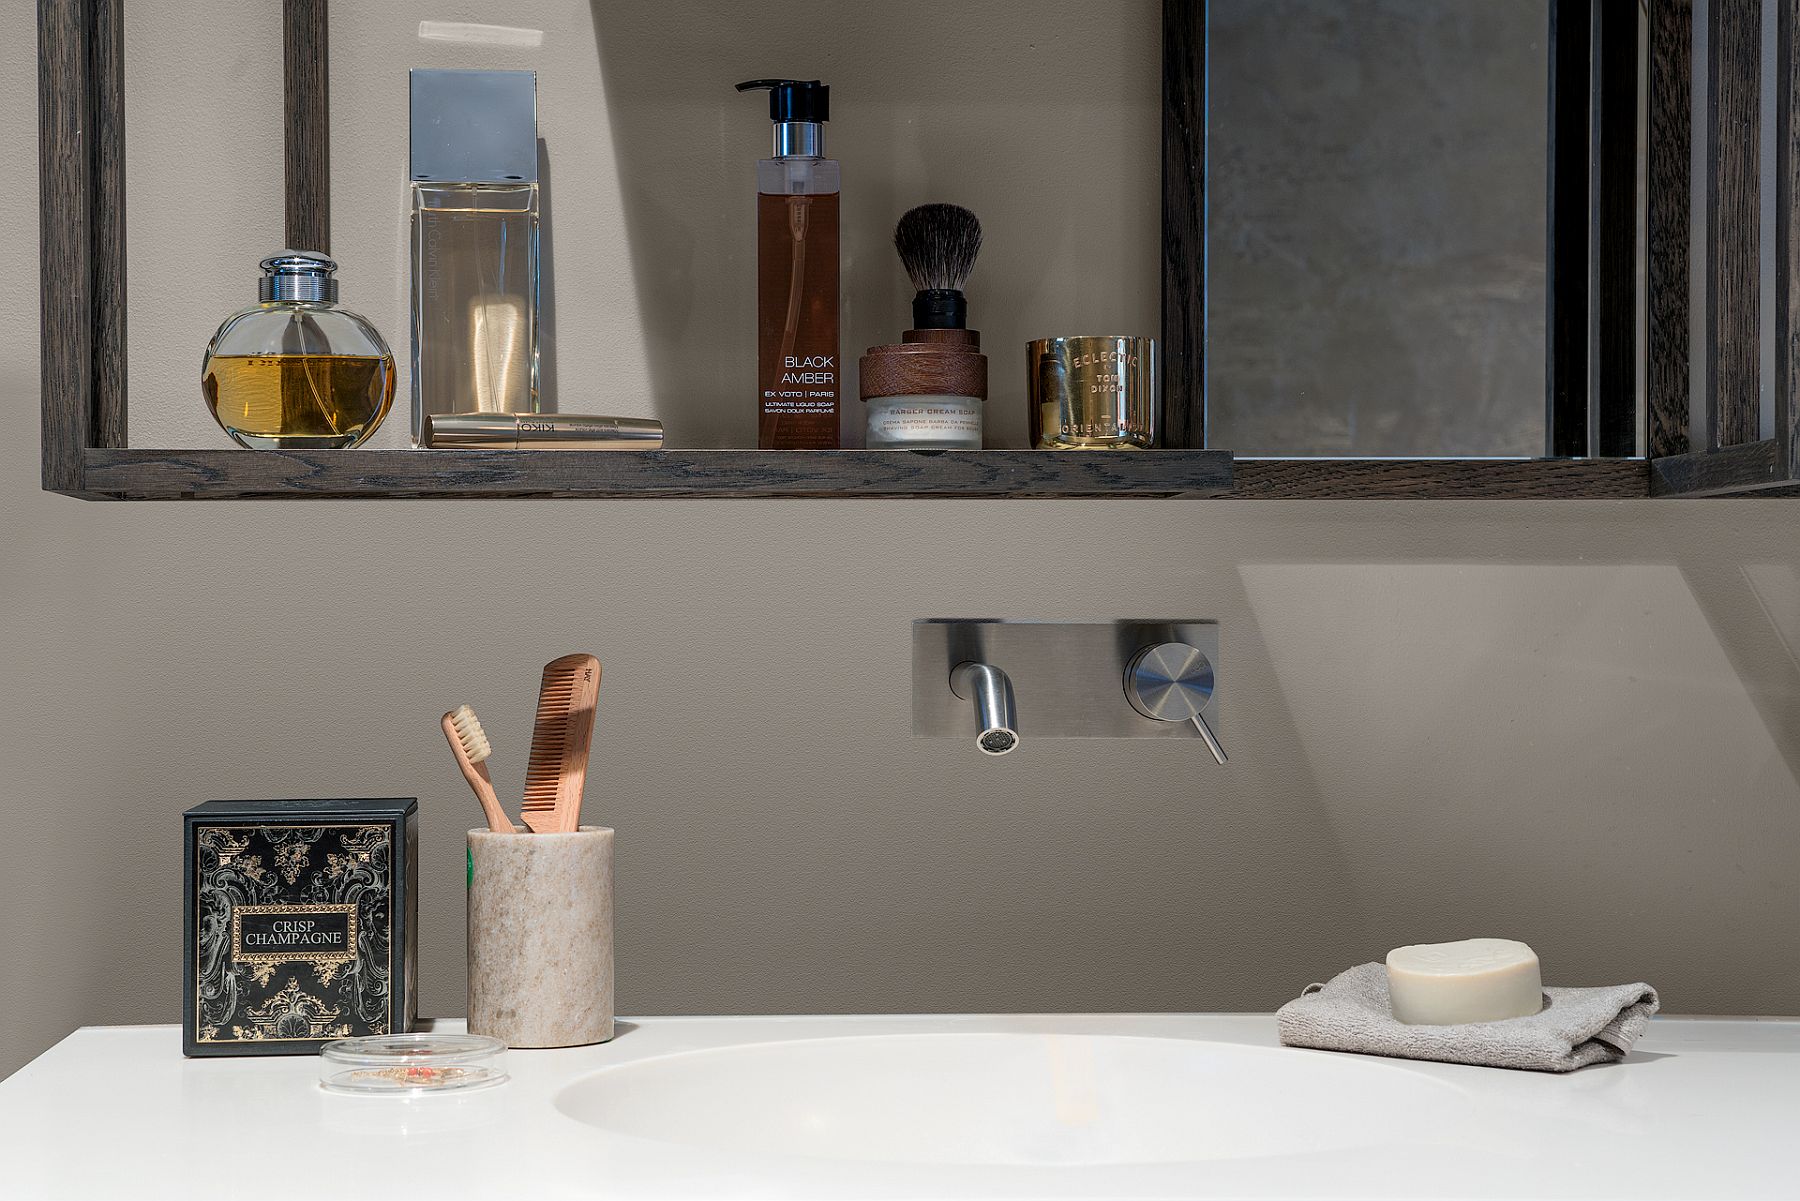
(1733,215)
(1571,65)
(106,164)
(1184,224)
(307,53)
(65,243)
(1670,213)
(1787,237)
(1615,230)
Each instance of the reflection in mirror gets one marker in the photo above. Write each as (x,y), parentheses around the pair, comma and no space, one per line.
(1376,227)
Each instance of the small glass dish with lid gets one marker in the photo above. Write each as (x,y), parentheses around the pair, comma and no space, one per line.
(411,1065)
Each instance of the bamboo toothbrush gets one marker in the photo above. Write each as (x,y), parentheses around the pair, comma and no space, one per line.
(557,771)
(471,746)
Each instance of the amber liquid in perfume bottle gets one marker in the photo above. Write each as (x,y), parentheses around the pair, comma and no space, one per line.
(298,401)
(797,266)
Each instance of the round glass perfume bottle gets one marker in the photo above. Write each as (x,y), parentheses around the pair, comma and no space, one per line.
(296,372)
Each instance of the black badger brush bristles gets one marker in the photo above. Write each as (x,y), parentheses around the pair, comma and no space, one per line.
(938,244)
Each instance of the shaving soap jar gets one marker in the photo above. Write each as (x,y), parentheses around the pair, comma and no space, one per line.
(927,393)
(1093,393)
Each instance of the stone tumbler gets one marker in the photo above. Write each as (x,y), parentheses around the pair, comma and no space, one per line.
(540,937)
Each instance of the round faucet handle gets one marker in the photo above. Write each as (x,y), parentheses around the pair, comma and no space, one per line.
(1173,681)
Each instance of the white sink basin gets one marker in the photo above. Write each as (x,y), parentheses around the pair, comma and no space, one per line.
(1010,1099)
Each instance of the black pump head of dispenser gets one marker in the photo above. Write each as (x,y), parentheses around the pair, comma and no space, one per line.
(805,100)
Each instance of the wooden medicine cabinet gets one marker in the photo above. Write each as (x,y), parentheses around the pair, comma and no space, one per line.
(1658,380)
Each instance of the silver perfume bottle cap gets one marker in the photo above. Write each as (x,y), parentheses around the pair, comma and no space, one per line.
(474,126)
(303,275)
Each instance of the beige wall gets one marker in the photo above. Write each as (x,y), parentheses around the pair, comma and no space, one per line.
(1574,723)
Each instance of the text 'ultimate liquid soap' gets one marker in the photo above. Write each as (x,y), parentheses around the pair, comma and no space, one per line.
(798,377)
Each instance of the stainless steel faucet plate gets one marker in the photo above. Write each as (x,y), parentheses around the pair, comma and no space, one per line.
(1068,677)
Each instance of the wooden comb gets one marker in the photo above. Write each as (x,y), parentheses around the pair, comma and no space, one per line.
(559,745)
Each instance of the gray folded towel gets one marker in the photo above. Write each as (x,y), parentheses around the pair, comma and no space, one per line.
(1576,1027)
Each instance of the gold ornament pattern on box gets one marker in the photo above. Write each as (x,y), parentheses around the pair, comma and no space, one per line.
(343,875)
(358,850)
(291,1014)
(290,860)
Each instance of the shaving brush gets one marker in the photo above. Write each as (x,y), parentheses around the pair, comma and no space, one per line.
(938,244)
(927,391)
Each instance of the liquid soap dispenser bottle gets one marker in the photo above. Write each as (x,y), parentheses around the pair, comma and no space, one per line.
(799,383)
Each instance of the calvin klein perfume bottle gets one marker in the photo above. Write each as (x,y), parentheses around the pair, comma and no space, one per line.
(798,380)
(474,243)
(296,372)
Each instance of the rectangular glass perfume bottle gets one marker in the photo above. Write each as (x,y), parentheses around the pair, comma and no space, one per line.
(474,243)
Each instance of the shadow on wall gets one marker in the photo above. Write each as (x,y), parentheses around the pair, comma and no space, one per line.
(1751,606)
(547,282)
(903,89)
(1562,719)
(1754,609)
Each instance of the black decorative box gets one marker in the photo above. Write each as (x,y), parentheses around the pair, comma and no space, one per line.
(300,924)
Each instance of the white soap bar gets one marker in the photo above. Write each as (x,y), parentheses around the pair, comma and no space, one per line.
(1475,980)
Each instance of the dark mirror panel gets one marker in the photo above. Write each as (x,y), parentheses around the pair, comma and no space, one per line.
(1377,227)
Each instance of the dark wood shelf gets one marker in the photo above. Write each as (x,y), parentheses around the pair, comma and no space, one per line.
(1440,479)
(985,474)
(1753,469)
(490,474)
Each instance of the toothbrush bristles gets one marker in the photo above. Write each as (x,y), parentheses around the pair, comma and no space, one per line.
(469,732)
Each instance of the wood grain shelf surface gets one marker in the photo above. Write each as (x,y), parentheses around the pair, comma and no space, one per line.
(986,474)
(1440,479)
(489,474)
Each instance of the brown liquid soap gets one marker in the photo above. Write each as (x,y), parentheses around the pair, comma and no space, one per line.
(799,371)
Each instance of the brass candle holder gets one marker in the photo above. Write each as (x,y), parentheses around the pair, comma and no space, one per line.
(1093,393)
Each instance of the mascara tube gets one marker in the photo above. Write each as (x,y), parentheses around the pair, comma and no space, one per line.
(540,431)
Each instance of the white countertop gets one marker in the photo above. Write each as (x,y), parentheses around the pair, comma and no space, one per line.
(1705,1109)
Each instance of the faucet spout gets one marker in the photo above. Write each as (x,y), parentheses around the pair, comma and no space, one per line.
(996,713)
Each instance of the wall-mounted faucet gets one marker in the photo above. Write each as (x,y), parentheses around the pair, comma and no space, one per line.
(996,714)
(1120,679)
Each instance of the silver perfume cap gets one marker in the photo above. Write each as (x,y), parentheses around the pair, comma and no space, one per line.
(303,275)
(474,126)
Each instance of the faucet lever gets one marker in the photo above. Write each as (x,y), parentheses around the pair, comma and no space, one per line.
(1212,740)
(1173,681)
